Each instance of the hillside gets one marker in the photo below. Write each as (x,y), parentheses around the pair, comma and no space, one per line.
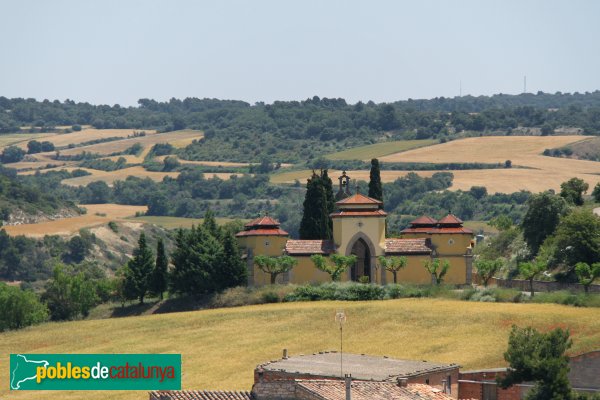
(221,347)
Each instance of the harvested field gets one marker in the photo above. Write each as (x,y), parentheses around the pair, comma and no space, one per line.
(525,151)
(21,139)
(87,135)
(176,138)
(221,347)
(97,214)
(111,176)
(177,222)
(303,175)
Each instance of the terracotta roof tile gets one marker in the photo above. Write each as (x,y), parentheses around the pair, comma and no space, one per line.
(263,221)
(424,220)
(308,247)
(358,213)
(262,232)
(359,199)
(432,230)
(406,246)
(361,390)
(450,220)
(200,395)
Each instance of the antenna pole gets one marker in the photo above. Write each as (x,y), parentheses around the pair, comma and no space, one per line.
(341,351)
(525,84)
(460,89)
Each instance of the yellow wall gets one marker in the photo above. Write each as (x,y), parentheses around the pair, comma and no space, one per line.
(414,272)
(306,272)
(274,248)
(345,228)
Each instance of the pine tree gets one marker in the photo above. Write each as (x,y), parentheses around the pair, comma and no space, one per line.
(375,188)
(158,278)
(138,271)
(210,224)
(232,271)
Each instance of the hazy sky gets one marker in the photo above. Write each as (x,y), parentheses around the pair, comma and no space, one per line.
(120,51)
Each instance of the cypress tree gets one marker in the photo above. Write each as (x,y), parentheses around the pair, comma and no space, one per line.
(138,270)
(328,184)
(316,223)
(158,279)
(375,188)
(232,271)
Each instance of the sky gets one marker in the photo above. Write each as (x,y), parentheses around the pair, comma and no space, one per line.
(109,52)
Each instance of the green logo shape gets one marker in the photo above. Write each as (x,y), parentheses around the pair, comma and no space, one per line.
(95,372)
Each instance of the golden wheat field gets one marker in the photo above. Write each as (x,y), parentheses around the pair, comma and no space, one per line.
(97,214)
(303,175)
(111,176)
(87,135)
(176,138)
(221,347)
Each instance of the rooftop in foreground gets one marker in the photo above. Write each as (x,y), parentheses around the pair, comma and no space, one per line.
(362,367)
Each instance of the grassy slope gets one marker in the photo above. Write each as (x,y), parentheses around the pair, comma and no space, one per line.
(379,149)
(221,347)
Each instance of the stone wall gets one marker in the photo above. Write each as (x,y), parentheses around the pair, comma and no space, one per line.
(585,371)
(472,383)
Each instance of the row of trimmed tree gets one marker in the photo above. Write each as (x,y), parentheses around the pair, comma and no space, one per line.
(335,265)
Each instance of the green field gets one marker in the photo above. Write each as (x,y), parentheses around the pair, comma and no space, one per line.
(379,149)
(177,222)
(221,347)
(478,226)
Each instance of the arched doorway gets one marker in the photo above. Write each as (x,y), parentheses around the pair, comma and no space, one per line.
(362,267)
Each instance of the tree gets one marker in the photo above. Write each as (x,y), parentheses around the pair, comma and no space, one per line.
(171,163)
(486,269)
(20,308)
(78,248)
(195,261)
(12,154)
(508,164)
(232,270)
(316,222)
(437,268)
(33,147)
(542,218)
(540,358)
(340,264)
(375,188)
(138,271)
(529,270)
(99,193)
(573,190)
(501,222)
(587,274)
(69,295)
(393,264)
(577,238)
(160,272)
(596,193)
(275,265)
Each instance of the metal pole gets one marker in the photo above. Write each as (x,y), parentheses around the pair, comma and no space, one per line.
(341,351)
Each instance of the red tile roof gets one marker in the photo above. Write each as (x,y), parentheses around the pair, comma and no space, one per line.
(361,390)
(359,199)
(358,213)
(406,246)
(263,221)
(200,395)
(262,232)
(424,220)
(308,247)
(442,230)
(450,220)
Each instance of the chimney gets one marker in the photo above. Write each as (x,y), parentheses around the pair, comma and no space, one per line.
(348,386)
(285,354)
(402,382)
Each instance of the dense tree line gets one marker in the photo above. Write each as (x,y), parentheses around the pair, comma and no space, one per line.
(284,130)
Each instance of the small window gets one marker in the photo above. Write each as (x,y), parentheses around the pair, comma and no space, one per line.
(451,242)
(427,381)
(490,391)
(267,243)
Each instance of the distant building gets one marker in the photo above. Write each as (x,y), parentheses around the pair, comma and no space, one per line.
(359,227)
